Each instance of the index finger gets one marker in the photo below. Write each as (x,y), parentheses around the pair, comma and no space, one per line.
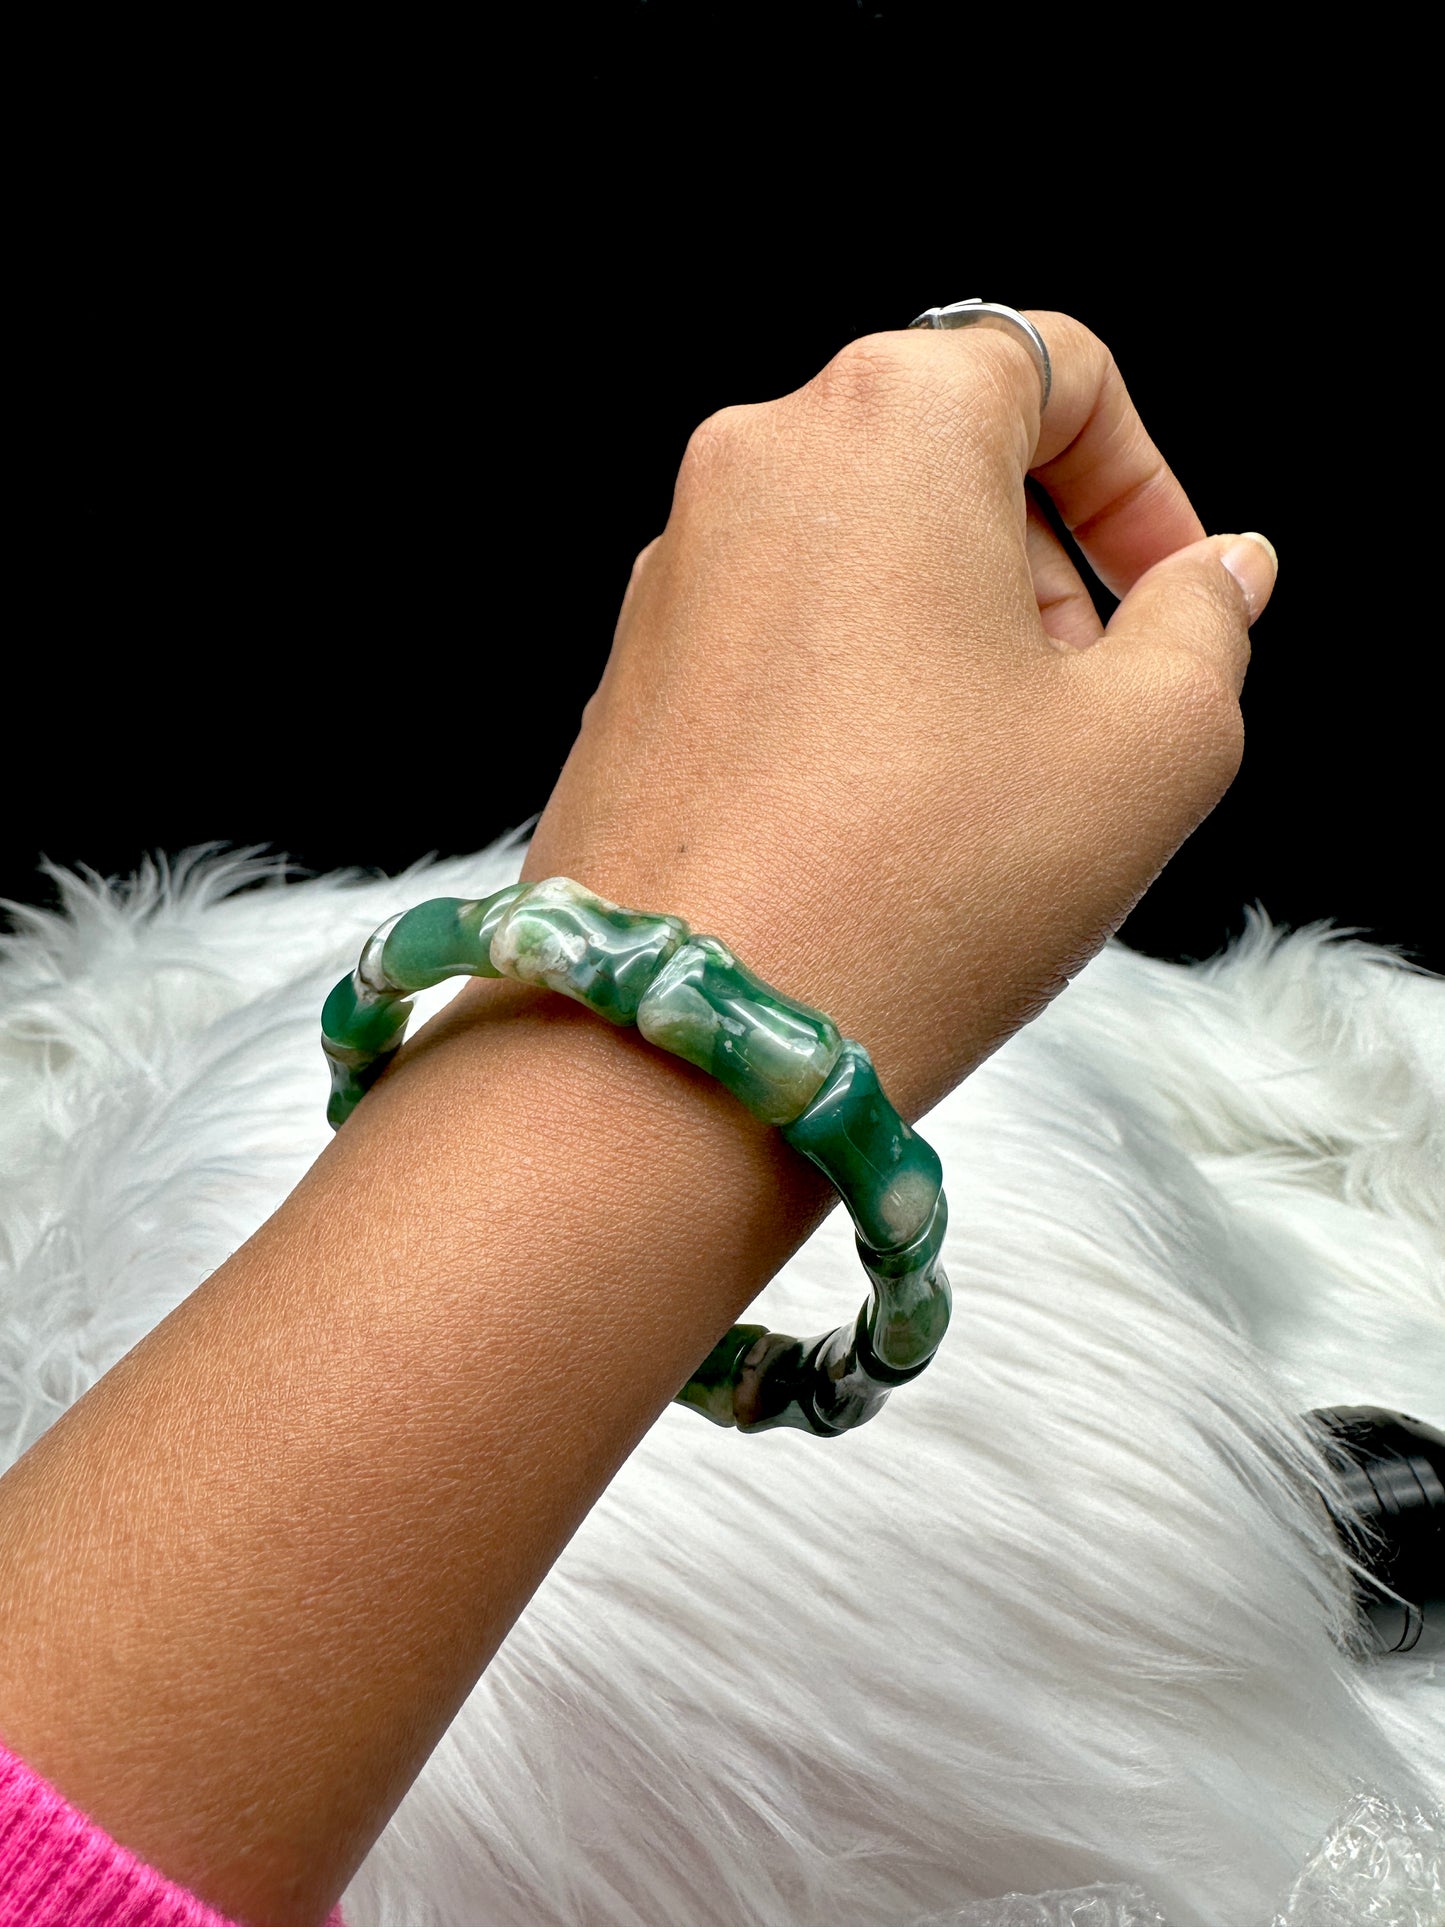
(1113,489)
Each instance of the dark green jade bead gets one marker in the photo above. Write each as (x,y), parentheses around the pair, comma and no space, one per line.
(361,1031)
(565,937)
(912,1299)
(361,1020)
(888,1177)
(350,1083)
(712,1386)
(445,937)
(770,1051)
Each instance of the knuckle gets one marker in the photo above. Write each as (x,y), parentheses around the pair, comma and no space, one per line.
(1073,340)
(867,374)
(947,383)
(640,562)
(637,577)
(1196,612)
(1080,334)
(1201,715)
(712,446)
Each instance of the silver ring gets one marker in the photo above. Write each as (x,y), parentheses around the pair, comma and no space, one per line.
(993,314)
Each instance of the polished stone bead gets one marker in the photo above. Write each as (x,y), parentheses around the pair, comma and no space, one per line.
(711,1387)
(913,1298)
(774,1386)
(446,937)
(361,1030)
(888,1177)
(563,936)
(771,1052)
(363,1020)
(844,1396)
(759,1380)
(350,1083)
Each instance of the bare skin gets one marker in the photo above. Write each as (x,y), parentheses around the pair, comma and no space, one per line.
(860,720)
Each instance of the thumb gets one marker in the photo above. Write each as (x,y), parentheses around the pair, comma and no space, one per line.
(1201,599)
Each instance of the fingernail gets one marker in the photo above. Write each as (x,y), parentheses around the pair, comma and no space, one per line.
(1251,560)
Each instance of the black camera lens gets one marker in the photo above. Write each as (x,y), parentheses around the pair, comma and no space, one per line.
(1393,1469)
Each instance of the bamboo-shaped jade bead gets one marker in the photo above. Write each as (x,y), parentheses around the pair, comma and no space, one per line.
(770,1051)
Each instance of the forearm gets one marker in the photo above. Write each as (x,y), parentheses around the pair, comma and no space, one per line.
(248,1580)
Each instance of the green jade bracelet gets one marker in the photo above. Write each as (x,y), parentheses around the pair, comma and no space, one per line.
(786,1062)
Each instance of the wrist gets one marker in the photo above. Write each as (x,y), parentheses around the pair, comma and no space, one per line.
(660,1139)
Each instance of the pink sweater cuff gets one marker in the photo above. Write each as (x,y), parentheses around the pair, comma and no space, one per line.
(58,1869)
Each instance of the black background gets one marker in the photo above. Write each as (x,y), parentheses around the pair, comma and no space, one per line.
(358,381)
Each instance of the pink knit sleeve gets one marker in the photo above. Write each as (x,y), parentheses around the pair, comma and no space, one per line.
(57,1869)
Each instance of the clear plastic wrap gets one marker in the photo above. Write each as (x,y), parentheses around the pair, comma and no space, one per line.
(1078,1907)
(1379,1863)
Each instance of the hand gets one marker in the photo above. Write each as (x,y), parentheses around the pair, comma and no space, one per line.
(860,719)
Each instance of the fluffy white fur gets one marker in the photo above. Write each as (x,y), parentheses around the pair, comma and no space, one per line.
(1062,1614)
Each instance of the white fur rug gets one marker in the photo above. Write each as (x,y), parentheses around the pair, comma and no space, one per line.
(1061,1615)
